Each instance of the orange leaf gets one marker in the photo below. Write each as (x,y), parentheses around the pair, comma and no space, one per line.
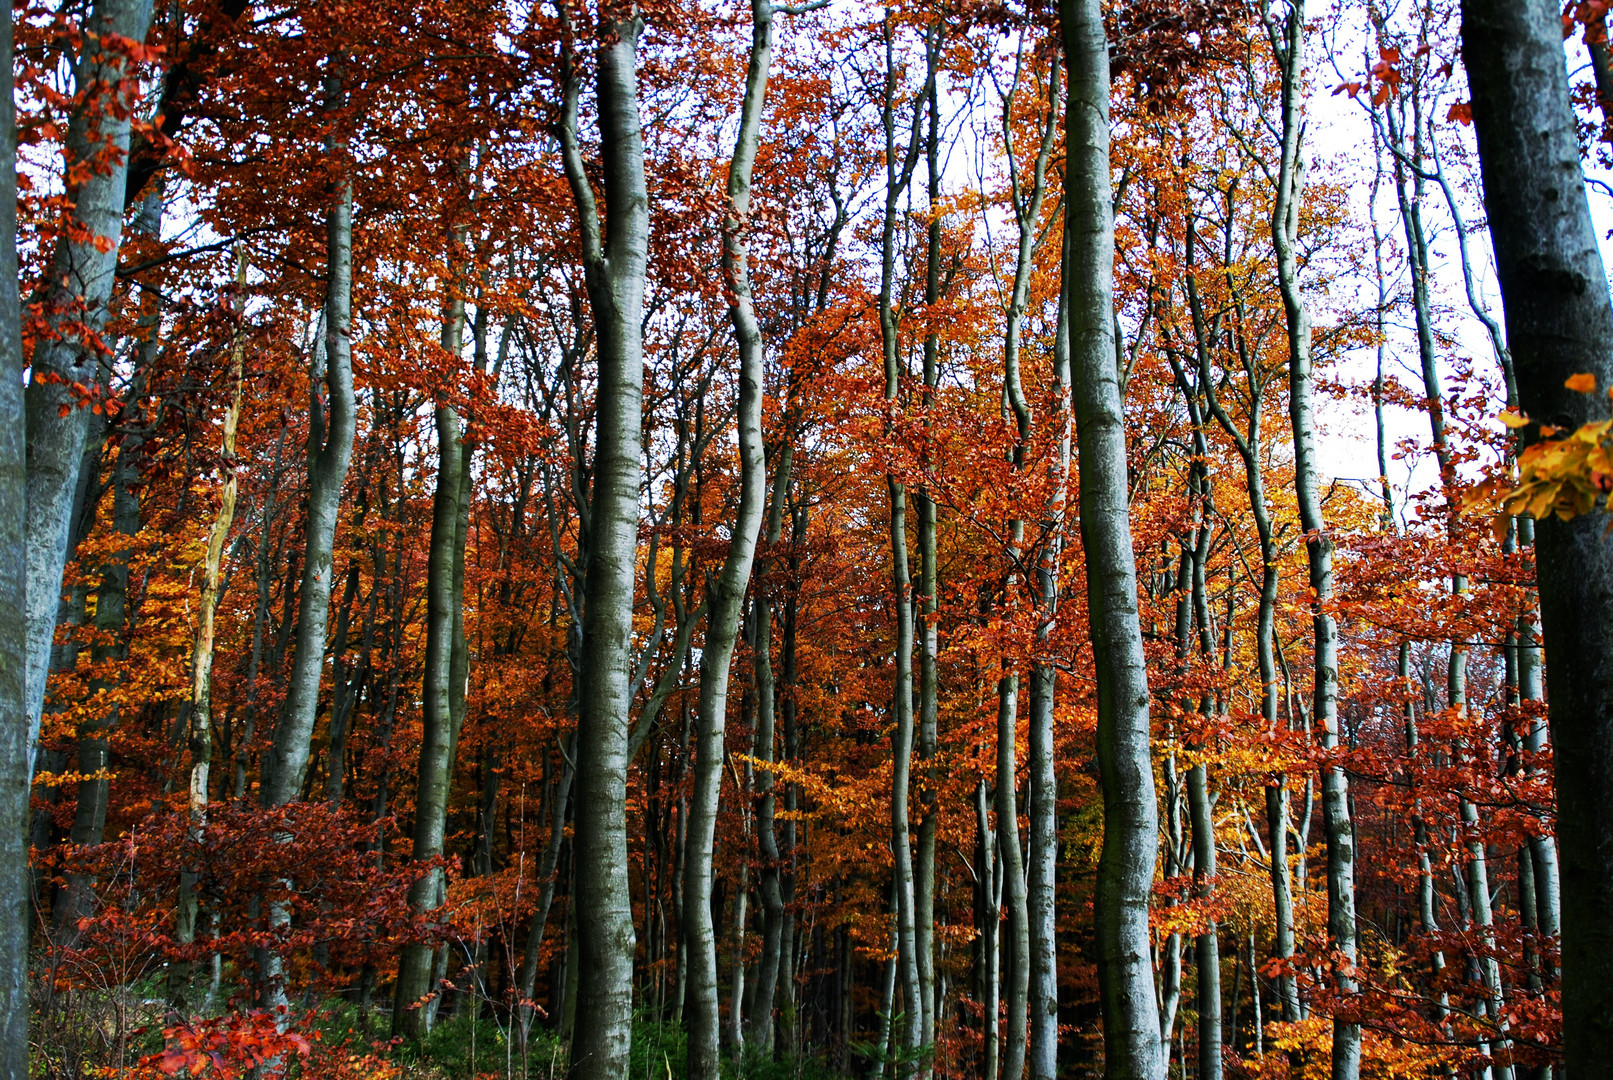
(1583,383)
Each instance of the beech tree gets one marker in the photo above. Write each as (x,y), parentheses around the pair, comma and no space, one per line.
(565,529)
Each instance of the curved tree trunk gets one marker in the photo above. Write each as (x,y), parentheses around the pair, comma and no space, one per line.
(728,591)
(1287,37)
(614,268)
(330,448)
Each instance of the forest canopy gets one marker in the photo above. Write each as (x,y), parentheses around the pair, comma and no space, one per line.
(950,540)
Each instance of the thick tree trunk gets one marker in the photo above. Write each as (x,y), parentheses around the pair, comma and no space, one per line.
(16,741)
(1559,323)
(614,267)
(75,307)
(728,591)
(1130,824)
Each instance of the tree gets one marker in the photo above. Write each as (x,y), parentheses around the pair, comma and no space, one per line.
(1130,839)
(1559,324)
(614,268)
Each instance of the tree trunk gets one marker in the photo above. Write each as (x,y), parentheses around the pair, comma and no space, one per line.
(1130,825)
(411,1014)
(986,878)
(899,169)
(1559,323)
(330,448)
(548,876)
(728,591)
(201,711)
(1287,38)
(1010,856)
(614,269)
(77,293)
(16,740)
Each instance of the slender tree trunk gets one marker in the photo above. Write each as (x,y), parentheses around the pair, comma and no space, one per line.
(1042,871)
(1027,213)
(1559,323)
(548,876)
(899,168)
(929,601)
(1287,35)
(1125,876)
(201,711)
(411,1011)
(1010,855)
(728,590)
(990,915)
(330,448)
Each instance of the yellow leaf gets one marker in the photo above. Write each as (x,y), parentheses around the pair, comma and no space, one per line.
(1583,383)
(1513,420)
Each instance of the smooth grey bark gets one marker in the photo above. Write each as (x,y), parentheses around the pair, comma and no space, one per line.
(899,168)
(329,449)
(769,886)
(1559,323)
(16,740)
(331,423)
(987,880)
(76,297)
(1041,871)
(614,261)
(1125,874)
(547,876)
(1287,37)
(727,592)
(411,1014)
(1011,861)
(1247,441)
(929,601)
(1027,207)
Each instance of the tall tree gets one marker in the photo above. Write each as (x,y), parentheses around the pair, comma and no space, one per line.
(1559,323)
(727,592)
(332,419)
(16,742)
(444,595)
(614,260)
(1286,34)
(1132,1049)
(75,310)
